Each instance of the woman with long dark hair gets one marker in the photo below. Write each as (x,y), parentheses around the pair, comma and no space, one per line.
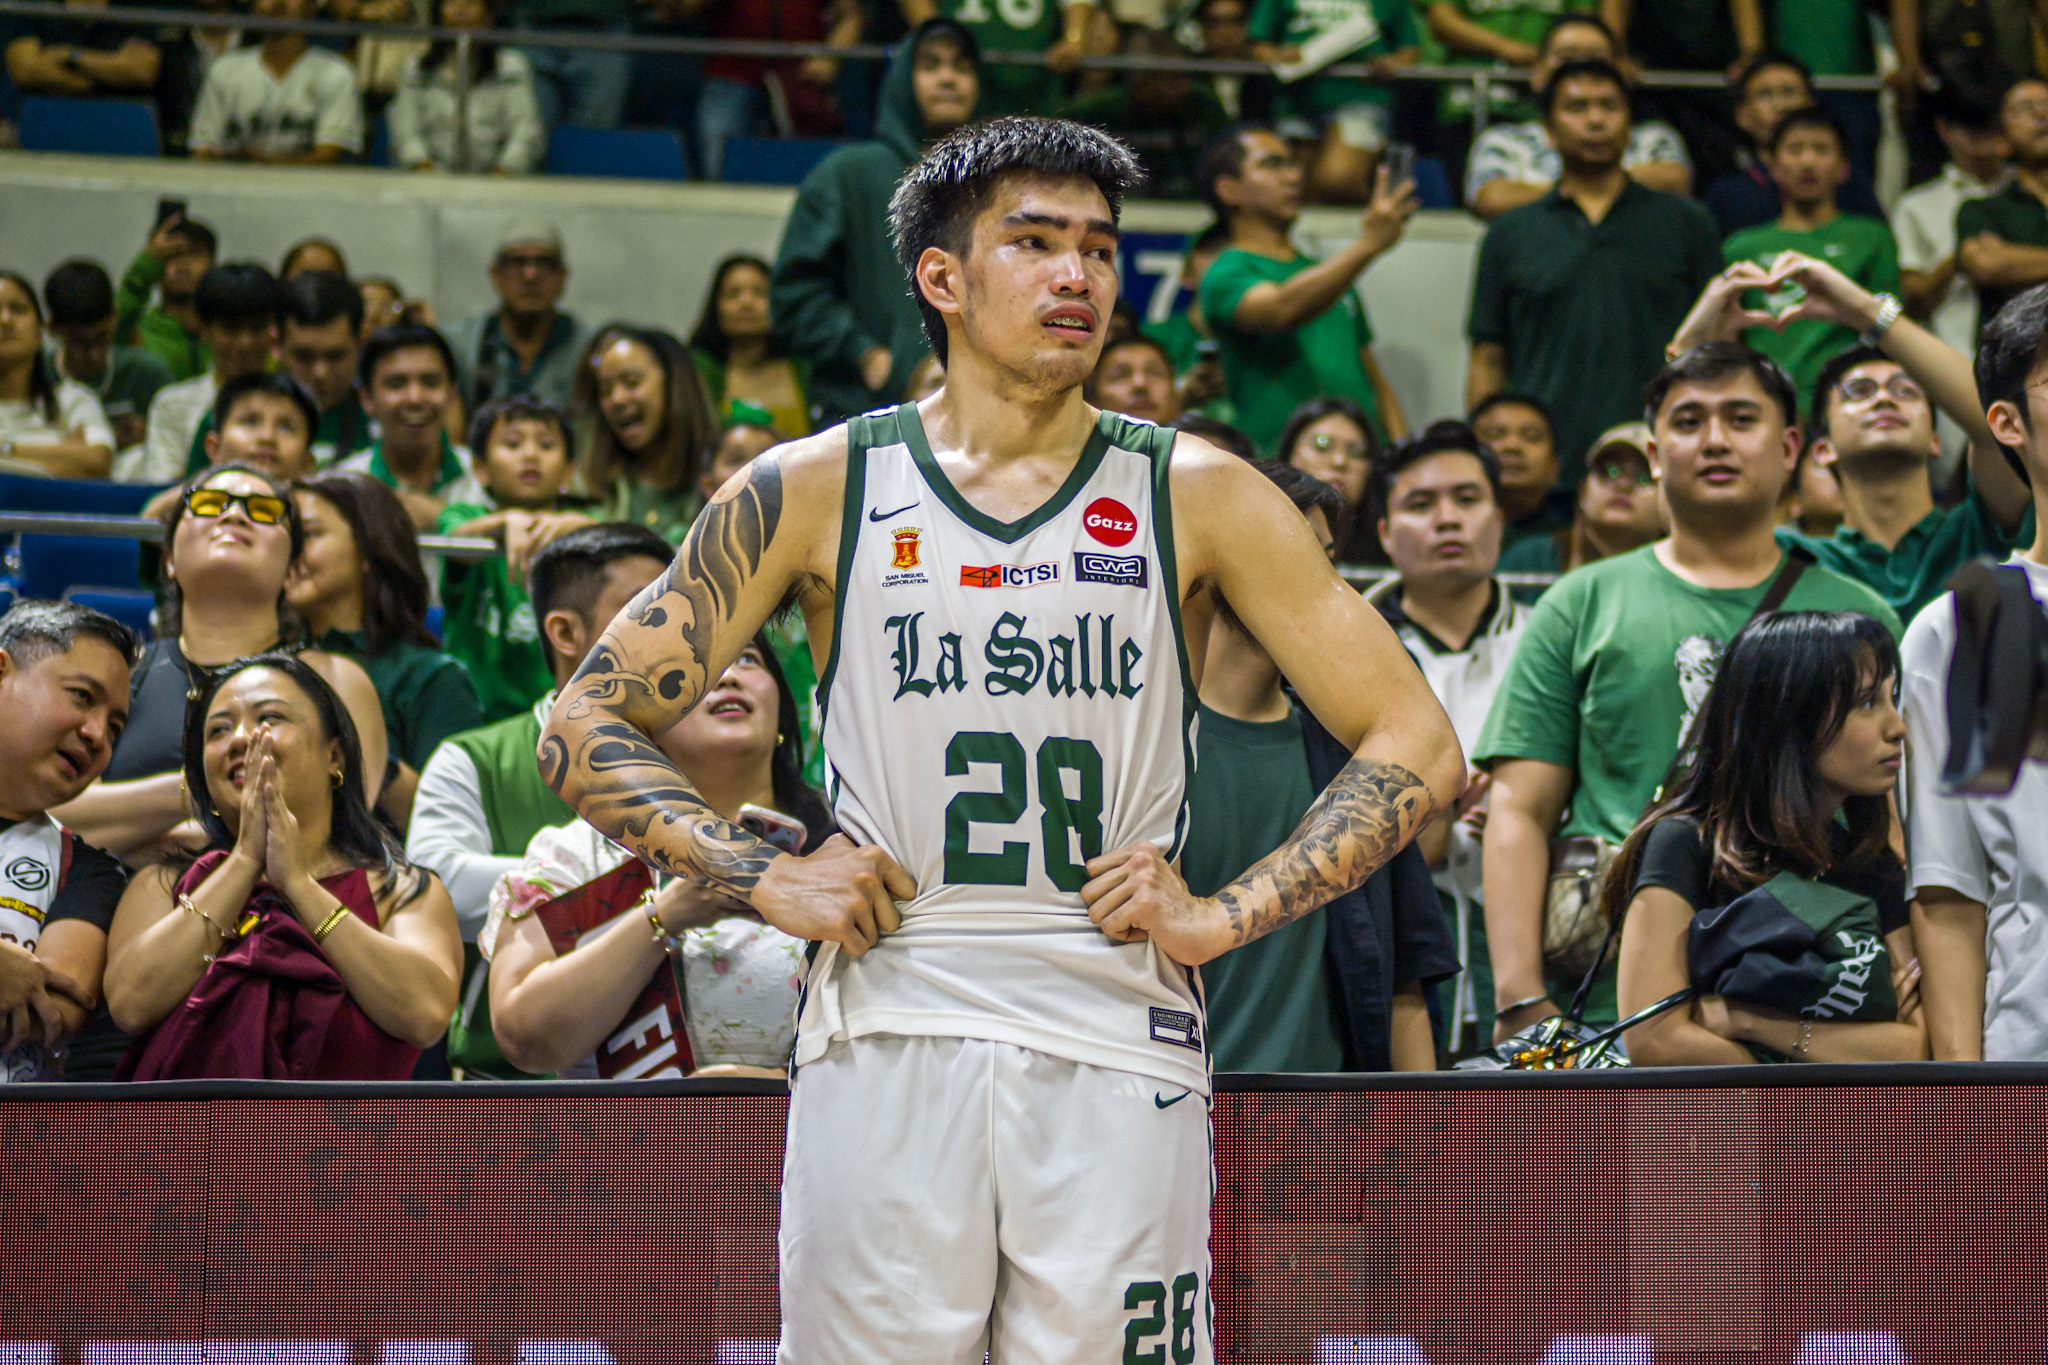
(652,429)
(1333,439)
(229,540)
(300,944)
(362,590)
(45,420)
(739,354)
(552,1009)
(1799,742)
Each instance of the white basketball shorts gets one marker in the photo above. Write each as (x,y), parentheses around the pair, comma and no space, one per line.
(942,1197)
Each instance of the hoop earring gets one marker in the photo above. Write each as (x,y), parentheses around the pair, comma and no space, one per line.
(337,777)
(780,738)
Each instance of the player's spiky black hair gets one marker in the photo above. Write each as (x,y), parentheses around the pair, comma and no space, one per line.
(938,198)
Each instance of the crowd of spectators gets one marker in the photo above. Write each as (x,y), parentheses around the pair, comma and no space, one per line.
(1707,440)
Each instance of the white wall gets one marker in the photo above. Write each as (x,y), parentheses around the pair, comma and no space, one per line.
(637,251)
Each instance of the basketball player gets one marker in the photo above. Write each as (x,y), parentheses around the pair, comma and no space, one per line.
(991,1144)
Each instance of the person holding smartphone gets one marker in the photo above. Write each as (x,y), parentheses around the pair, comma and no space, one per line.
(738,977)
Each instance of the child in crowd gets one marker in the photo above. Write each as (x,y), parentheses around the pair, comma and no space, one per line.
(524,452)
(262,420)
(1784,816)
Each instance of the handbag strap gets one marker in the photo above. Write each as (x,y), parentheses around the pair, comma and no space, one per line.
(1797,560)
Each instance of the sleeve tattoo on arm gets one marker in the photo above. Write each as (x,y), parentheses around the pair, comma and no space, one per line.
(645,675)
(1351,831)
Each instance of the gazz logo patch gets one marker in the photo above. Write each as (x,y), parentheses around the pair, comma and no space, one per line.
(1009,575)
(1118,570)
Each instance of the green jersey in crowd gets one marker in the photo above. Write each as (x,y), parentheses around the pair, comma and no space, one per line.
(1614,662)
(1521,21)
(1012,26)
(1861,248)
(1270,1003)
(427,696)
(1267,375)
(487,623)
(1831,36)
(1385,26)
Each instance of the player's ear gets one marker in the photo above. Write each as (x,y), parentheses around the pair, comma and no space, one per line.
(938,279)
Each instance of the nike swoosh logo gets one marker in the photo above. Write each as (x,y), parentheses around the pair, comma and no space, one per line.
(884,516)
(1164,1103)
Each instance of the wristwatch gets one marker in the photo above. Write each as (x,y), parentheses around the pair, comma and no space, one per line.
(1888,310)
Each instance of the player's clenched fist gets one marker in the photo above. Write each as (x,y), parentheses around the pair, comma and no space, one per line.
(843,893)
(1135,894)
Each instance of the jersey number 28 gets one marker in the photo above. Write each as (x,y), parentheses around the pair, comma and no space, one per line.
(1059,813)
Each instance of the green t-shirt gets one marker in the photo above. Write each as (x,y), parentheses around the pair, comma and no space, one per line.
(1861,248)
(1916,570)
(131,379)
(1523,21)
(427,696)
(1179,335)
(1270,1004)
(1831,36)
(1267,375)
(1011,26)
(667,513)
(1615,658)
(2013,215)
(1291,23)
(487,623)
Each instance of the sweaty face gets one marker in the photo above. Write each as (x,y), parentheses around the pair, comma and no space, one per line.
(525,463)
(1877,408)
(1335,450)
(409,395)
(1589,121)
(1521,437)
(1724,450)
(1864,759)
(945,85)
(743,302)
(323,358)
(64,711)
(266,430)
(1808,165)
(1037,285)
(1442,523)
(1136,381)
(632,393)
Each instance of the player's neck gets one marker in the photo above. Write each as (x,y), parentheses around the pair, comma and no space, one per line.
(990,415)
(1239,679)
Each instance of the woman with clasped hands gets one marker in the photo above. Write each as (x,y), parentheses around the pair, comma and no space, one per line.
(301,944)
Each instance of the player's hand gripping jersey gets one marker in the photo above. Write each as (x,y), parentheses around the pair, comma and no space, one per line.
(1003,702)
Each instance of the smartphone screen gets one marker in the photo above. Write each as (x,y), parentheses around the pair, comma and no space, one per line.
(1400,163)
(773,827)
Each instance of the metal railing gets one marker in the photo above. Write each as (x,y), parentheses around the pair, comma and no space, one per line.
(1482,79)
(464,548)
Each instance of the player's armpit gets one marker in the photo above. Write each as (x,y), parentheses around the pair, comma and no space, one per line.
(657,659)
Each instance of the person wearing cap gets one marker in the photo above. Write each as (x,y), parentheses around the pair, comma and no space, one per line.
(1617,510)
(527,345)
(1437,500)
(1872,425)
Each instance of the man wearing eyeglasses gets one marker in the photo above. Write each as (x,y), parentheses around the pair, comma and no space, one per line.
(527,345)
(1872,425)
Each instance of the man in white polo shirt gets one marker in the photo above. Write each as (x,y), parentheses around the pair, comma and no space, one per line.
(282,102)
(1980,865)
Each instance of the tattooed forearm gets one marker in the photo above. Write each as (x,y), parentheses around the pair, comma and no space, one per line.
(1354,828)
(651,666)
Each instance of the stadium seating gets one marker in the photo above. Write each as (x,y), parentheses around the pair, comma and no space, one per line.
(88,497)
(131,607)
(100,127)
(627,154)
(52,566)
(775,161)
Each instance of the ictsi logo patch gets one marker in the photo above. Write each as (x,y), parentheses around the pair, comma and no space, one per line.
(1008,575)
(1110,522)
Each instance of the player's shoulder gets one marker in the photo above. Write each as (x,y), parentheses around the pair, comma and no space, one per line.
(1216,490)
(808,473)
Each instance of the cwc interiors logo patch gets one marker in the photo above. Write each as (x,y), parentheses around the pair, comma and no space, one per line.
(1110,522)
(1120,571)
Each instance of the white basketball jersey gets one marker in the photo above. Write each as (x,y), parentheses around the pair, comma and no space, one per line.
(1003,702)
(32,866)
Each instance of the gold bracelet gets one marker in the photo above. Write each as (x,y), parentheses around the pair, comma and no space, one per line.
(185,903)
(341,912)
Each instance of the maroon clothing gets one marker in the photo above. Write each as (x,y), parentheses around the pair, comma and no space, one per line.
(811,109)
(271,1007)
